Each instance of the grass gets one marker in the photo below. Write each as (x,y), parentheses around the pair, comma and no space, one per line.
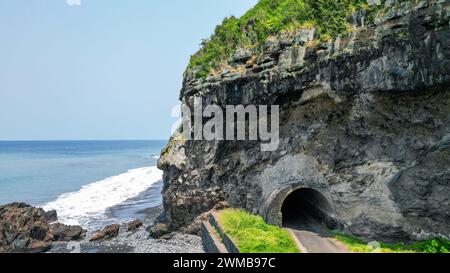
(431,246)
(253,235)
(268,18)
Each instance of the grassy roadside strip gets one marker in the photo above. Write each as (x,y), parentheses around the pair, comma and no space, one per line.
(252,235)
(359,246)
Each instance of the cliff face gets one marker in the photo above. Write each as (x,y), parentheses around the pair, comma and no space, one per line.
(365,121)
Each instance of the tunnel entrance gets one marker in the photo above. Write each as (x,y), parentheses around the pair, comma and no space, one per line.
(307,209)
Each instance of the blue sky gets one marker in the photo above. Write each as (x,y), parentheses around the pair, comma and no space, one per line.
(106,69)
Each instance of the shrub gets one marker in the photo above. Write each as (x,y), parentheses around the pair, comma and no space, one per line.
(270,17)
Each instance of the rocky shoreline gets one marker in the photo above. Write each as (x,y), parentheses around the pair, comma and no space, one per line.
(135,241)
(27,229)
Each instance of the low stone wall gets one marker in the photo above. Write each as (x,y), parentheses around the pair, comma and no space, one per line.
(214,238)
(227,241)
(211,243)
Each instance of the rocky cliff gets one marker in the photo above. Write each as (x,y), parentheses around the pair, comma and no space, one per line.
(365,121)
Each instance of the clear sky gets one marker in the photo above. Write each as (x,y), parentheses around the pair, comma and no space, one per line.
(105,69)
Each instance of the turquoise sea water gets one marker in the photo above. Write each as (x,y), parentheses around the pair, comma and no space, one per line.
(80,179)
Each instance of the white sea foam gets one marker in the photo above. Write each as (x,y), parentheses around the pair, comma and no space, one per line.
(88,205)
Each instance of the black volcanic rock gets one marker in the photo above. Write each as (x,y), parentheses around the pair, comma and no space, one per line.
(134,225)
(67,233)
(108,232)
(158,230)
(51,216)
(23,229)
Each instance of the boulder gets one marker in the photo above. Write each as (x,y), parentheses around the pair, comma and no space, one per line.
(108,232)
(159,230)
(64,233)
(24,229)
(195,226)
(134,225)
(51,216)
(241,55)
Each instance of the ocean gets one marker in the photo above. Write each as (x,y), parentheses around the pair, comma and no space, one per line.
(88,183)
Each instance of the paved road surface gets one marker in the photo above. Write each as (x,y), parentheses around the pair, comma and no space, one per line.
(313,236)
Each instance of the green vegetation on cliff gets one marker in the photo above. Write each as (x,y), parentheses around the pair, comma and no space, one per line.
(270,17)
(253,235)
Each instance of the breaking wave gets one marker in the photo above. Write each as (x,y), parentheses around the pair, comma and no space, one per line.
(87,207)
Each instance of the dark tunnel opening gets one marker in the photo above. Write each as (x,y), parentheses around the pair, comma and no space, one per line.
(308,209)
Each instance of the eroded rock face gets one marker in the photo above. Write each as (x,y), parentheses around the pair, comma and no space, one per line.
(365,119)
(23,229)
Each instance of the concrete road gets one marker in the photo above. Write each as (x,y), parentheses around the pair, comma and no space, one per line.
(313,236)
